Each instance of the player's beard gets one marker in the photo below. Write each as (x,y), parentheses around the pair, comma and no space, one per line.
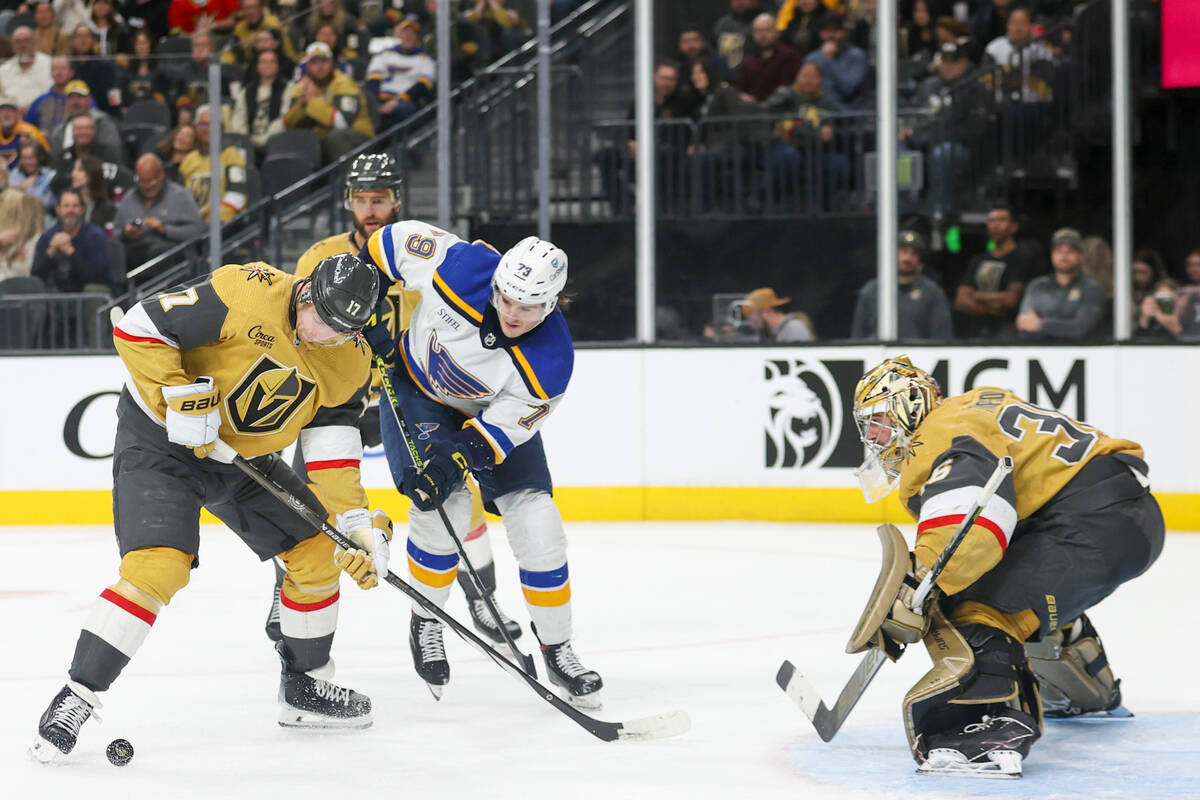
(360,225)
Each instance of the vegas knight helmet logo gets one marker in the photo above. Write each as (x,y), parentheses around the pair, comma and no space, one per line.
(803,414)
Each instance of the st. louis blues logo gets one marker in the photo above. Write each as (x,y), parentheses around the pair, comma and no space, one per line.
(449,378)
(426,428)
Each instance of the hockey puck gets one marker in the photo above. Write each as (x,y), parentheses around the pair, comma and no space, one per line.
(119,752)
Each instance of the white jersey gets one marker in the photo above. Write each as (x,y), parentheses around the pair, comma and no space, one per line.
(453,348)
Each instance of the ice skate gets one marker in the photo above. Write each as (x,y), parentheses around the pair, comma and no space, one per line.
(429,653)
(482,619)
(308,702)
(991,748)
(581,686)
(58,729)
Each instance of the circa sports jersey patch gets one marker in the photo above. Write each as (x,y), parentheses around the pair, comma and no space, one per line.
(264,274)
(267,397)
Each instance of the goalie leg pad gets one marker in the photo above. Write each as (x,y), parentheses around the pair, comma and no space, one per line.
(887,622)
(1073,672)
(978,671)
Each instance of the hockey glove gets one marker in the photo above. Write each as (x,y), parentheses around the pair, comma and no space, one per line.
(371,532)
(381,340)
(445,470)
(193,415)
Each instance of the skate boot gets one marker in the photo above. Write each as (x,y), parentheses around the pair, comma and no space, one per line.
(1073,673)
(580,684)
(429,653)
(482,619)
(309,702)
(58,729)
(272,627)
(994,747)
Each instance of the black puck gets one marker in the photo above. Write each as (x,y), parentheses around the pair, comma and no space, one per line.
(119,752)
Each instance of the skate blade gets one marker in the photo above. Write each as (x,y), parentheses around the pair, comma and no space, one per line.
(290,717)
(1000,764)
(1120,712)
(435,690)
(584,702)
(44,752)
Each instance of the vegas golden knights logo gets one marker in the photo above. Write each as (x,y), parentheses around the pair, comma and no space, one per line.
(267,397)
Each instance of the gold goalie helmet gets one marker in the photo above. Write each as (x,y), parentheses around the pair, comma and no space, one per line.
(890,403)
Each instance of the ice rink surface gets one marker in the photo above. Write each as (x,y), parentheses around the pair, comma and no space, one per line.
(694,616)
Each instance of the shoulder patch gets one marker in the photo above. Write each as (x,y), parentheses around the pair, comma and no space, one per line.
(262,272)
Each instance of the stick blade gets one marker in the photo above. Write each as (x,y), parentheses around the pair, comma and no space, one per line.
(805,695)
(658,726)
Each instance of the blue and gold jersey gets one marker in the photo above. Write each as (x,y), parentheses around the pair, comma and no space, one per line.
(452,347)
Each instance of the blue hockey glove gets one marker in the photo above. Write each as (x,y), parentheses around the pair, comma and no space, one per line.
(445,470)
(381,341)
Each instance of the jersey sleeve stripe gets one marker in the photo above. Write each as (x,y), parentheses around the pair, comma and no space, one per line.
(129,337)
(137,326)
(340,463)
(528,375)
(389,251)
(454,300)
(954,519)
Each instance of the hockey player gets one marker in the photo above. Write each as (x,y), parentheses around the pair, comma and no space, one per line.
(485,360)
(1073,521)
(258,358)
(373,199)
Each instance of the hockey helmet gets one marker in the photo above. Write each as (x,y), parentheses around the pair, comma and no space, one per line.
(533,272)
(890,403)
(344,289)
(374,172)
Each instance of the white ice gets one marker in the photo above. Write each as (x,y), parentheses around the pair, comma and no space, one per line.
(694,616)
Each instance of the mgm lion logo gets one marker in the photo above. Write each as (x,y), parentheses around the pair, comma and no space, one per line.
(804,414)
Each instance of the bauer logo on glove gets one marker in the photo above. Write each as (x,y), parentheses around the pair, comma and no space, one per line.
(193,415)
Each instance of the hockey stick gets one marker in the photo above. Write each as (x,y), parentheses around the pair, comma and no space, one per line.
(394,405)
(659,726)
(829,721)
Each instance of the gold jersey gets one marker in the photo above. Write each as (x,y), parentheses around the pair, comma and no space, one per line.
(955,451)
(237,327)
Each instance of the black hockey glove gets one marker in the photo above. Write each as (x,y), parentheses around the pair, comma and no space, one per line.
(445,470)
(381,341)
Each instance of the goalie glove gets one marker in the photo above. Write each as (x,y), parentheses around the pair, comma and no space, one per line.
(371,534)
(193,415)
(888,622)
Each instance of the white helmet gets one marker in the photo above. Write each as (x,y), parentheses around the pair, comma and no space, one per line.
(533,272)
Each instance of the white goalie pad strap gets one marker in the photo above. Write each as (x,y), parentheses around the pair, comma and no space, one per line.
(331,443)
(308,620)
(949,507)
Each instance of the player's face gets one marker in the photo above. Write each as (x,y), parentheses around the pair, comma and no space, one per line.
(879,429)
(312,329)
(515,318)
(372,210)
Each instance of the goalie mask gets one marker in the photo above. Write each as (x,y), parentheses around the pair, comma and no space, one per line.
(532,273)
(890,403)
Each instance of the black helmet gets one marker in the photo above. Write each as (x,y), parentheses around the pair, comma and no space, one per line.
(373,171)
(344,290)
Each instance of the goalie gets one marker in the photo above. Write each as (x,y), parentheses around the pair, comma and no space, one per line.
(1005,625)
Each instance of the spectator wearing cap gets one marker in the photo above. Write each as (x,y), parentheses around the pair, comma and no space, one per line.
(97,71)
(106,143)
(959,113)
(994,281)
(329,102)
(732,31)
(770,66)
(196,172)
(843,66)
(190,16)
(49,110)
(1065,305)
(402,76)
(761,310)
(14,131)
(48,38)
(923,311)
(73,252)
(798,22)
(26,75)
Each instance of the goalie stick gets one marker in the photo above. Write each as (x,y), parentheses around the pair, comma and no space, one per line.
(829,721)
(658,726)
(394,404)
